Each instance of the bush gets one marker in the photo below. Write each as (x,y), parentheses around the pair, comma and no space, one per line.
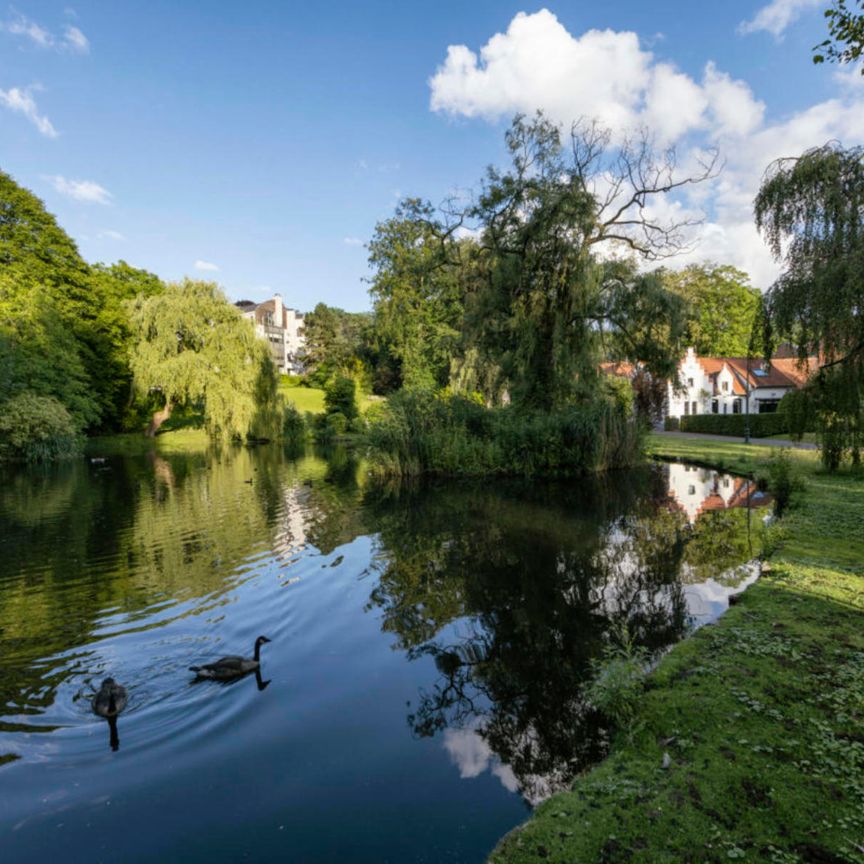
(619,679)
(340,397)
(783,483)
(293,425)
(422,433)
(37,429)
(671,424)
(761,425)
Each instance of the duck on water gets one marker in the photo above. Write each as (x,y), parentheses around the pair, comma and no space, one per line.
(228,668)
(108,702)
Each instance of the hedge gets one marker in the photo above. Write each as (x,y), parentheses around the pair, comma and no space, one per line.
(761,425)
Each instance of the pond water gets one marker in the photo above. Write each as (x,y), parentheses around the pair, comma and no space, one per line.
(430,647)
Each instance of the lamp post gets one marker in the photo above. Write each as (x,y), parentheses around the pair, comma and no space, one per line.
(747,398)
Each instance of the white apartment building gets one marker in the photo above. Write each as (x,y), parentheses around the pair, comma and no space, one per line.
(282,327)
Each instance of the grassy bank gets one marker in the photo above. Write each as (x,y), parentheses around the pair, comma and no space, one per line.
(761,715)
(312,400)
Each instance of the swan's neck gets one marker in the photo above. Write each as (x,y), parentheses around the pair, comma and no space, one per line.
(257,651)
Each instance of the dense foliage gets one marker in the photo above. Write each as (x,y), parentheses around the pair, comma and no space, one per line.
(337,343)
(421,433)
(192,347)
(721,308)
(64,329)
(37,429)
(811,211)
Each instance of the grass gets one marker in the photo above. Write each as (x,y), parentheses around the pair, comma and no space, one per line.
(312,400)
(761,715)
(185,440)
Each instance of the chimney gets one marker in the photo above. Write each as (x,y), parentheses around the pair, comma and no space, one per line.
(278,315)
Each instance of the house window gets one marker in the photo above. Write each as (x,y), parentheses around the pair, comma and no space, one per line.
(689,382)
(736,406)
(715,408)
(686,408)
(725,482)
(725,386)
(691,490)
(725,408)
(695,409)
(768,406)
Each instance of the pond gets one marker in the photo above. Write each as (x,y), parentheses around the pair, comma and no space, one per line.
(423,688)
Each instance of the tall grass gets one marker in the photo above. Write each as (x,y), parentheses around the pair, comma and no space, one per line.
(422,433)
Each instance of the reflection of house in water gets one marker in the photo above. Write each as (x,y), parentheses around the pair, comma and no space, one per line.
(697,490)
(293,522)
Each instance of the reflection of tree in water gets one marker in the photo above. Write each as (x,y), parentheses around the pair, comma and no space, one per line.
(512,591)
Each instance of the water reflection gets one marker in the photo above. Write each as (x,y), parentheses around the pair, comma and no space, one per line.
(481,604)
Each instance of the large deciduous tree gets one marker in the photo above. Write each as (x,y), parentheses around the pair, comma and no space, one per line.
(810,210)
(547,296)
(192,347)
(336,343)
(417,293)
(722,307)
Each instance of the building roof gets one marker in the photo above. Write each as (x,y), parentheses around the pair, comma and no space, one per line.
(780,372)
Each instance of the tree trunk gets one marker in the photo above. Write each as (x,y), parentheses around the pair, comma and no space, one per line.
(158,419)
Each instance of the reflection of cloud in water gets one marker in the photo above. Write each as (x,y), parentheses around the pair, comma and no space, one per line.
(472,755)
(707,600)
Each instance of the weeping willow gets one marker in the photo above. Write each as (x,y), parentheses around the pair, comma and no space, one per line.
(193,348)
(811,212)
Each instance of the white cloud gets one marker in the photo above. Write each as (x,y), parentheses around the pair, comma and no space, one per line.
(80,190)
(22,101)
(22,26)
(75,40)
(538,65)
(109,234)
(352,241)
(206,266)
(777,16)
(72,40)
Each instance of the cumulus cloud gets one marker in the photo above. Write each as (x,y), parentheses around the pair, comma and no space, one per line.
(109,234)
(80,190)
(538,65)
(21,101)
(352,241)
(206,266)
(72,40)
(777,16)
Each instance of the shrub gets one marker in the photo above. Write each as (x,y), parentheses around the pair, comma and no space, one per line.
(671,424)
(37,429)
(419,432)
(783,483)
(619,679)
(761,425)
(341,397)
(293,425)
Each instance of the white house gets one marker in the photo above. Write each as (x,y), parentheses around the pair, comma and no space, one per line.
(282,327)
(732,385)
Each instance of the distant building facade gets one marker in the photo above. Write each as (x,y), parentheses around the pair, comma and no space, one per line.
(282,328)
(733,385)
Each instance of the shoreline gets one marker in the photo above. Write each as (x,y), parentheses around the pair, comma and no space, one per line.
(749,739)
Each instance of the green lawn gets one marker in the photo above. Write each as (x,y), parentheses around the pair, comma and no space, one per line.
(761,715)
(311,399)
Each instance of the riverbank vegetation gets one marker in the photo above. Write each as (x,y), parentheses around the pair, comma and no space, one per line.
(746,742)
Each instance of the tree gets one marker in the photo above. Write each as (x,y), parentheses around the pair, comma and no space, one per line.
(45,278)
(192,347)
(846,28)
(810,210)
(721,307)
(542,305)
(336,343)
(417,293)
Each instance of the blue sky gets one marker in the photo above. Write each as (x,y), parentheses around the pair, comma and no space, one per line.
(266,139)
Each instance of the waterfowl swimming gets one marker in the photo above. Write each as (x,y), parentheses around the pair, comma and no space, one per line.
(110,700)
(227,668)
